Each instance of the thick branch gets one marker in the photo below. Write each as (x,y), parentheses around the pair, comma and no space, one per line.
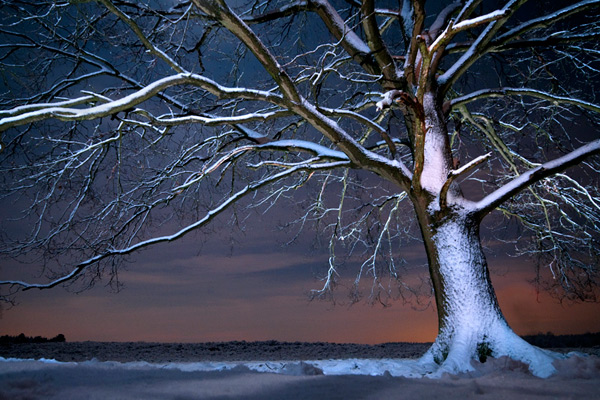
(378,48)
(291,8)
(351,42)
(132,100)
(453,29)
(417,16)
(442,18)
(518,184)
(222,13)
(28,108)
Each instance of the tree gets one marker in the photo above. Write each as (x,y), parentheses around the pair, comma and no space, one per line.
(120,115)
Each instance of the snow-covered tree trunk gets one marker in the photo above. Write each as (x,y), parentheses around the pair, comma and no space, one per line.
(471,325)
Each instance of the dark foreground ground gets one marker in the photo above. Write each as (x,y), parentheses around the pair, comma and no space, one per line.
(218,351)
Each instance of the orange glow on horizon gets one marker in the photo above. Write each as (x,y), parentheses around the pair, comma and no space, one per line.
(187,304)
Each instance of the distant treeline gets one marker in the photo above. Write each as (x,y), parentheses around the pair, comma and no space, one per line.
(548,340)
(26,339)
(544,340)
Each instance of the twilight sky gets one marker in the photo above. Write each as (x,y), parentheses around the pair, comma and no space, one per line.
(198,289)
(186,292)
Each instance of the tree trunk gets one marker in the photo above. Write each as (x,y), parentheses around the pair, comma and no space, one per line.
(471,325)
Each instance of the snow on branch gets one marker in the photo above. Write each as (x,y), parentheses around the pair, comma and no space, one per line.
(40,112)
(452,175)
(388,99)
(452,29)
(468,7)
(35,107)
(479,46)
(473,22)
(505,192)
(351,42)
(500,92)
(304,145)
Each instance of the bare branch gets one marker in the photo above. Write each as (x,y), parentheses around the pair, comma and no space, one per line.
(366,121)
(291,8)
(544,21)
(138,31)
(525,180)
(210,215)
(552,40)
(501,92)
(414,13)
(393,169)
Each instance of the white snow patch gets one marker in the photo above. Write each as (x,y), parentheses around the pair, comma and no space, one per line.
(573,366)
(371,367)
(305,145)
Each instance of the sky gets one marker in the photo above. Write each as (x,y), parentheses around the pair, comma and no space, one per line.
(193,292)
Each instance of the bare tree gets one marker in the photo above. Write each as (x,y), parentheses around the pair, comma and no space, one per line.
(119,115)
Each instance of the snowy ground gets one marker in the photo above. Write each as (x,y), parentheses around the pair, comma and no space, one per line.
(331,378)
